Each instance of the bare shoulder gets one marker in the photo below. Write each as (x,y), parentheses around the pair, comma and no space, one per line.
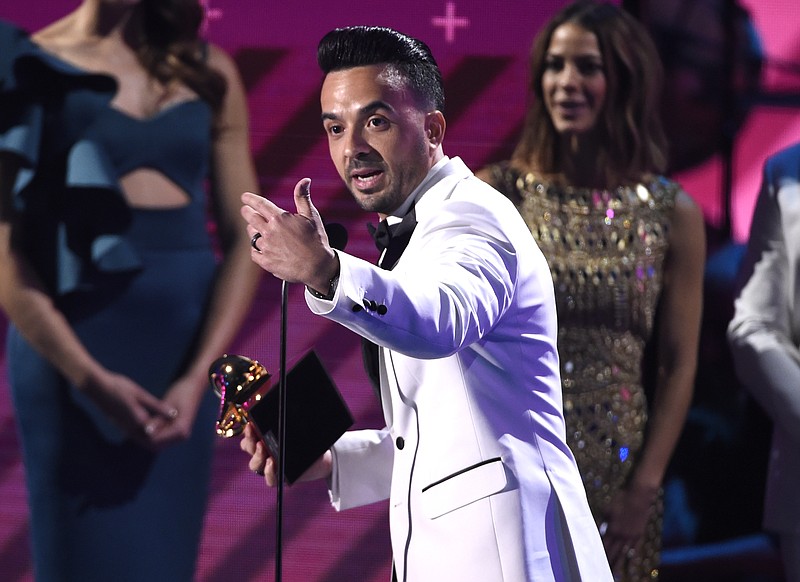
(688,231)
(66,40)
(58,36)
(686,209)
(221,61)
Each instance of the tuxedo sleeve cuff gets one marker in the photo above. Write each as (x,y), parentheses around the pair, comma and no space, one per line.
(362,468)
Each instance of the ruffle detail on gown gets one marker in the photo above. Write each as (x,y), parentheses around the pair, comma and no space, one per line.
(93,215)
(20,123)
(95,222)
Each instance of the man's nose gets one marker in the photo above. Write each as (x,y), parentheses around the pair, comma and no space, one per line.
(356,145)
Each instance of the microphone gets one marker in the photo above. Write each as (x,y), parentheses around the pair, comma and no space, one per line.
(337,235)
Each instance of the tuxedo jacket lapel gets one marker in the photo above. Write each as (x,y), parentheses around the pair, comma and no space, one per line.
(392,240)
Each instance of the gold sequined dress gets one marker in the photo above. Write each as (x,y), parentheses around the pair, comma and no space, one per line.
(606,252)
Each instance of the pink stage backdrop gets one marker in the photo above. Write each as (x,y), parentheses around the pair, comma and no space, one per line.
(482,48)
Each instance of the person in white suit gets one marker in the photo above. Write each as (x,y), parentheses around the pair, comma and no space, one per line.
(764,337)
(473,458)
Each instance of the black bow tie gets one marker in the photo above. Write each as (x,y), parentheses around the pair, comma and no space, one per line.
(393,238)
(385,233)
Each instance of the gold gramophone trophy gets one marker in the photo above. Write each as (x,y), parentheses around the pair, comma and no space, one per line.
(316,414)
(240,384)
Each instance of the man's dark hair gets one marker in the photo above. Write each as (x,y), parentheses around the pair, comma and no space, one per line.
(361,46)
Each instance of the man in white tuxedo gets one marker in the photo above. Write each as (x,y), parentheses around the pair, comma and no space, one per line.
(473,458)
(764,336)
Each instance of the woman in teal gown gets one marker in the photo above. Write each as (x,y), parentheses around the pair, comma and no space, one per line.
(119,129)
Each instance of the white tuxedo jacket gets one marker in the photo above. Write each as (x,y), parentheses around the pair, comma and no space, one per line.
(765,331)
(482,485)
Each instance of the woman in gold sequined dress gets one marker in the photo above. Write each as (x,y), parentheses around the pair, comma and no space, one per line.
(626,249)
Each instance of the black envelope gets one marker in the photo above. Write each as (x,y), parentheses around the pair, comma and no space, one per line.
(316,415)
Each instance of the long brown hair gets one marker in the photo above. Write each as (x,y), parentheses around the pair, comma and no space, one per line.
(632,140)
(171,48)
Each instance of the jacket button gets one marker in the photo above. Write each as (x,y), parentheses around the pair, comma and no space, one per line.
(400,443)
(357,308)
(382,310)
(373,305)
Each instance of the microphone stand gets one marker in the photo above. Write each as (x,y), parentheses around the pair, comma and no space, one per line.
(281,434)
(338,239)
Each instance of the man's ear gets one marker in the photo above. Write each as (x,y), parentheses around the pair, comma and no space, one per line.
(435,126)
